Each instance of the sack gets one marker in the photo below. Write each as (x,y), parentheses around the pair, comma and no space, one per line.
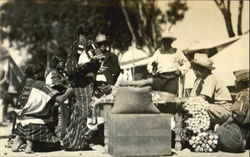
(240,108)
(230,138)
(139,83)
(134,100)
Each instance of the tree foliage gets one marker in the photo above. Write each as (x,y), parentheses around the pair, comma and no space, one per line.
(46,25)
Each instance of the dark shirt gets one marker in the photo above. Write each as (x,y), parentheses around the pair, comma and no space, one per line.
(113,68)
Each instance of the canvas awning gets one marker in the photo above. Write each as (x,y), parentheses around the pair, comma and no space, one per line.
(234,57)
(211,44)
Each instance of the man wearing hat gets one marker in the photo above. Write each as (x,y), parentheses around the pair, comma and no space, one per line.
(211,89)
(241,106)
(110,68)
(240,111)
(167,64)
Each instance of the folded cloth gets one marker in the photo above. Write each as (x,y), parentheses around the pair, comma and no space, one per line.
(134,100)
(139,83)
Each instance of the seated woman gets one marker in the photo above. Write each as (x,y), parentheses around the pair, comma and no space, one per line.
(211,89)
(35,118)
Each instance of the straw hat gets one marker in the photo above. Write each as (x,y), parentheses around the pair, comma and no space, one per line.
(168,38)
(101,39)
(242,75)
(204,61)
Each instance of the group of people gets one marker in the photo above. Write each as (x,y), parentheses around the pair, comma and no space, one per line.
(169,63)
(90,70)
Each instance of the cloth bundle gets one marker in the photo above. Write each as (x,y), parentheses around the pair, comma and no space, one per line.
(231,138)
(134,97)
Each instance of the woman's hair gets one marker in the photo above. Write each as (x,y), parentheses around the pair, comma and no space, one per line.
(81,30)
(28,71)
(39,71)
(53,62)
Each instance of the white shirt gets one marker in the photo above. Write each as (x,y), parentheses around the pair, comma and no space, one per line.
(170,61)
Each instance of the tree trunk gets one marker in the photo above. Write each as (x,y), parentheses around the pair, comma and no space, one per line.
(225,10)
(131,31)
(239,26)
(128,21)
(228,21)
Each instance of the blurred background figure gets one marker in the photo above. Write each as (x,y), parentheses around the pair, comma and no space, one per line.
(56,79)
(4,85)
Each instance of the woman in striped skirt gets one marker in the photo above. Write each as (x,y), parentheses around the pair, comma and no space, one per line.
(81,72)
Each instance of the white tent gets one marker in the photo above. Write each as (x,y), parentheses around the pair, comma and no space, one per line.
(131,55)
(15,74)
(139,62)
(234,57)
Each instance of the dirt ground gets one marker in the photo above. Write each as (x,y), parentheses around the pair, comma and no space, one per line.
(98,150)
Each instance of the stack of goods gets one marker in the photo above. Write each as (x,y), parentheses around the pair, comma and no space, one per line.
(196,124)
(134,117)
(204,142)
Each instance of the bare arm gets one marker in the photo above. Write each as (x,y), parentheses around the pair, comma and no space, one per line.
(183,62)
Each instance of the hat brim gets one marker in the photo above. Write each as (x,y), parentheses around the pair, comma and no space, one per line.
(102,42)
(198,63)
(168,38)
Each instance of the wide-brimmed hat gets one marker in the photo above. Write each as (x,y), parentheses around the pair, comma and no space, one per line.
(241,75)
(168,38)
(204,61)
(101,39)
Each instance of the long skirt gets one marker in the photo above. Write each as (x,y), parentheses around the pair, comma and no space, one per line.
(77,135)
(37,132)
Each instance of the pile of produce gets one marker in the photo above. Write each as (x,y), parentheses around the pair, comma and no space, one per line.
(196,123)
(204,142)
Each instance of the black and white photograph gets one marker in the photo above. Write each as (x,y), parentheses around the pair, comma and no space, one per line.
(124,78)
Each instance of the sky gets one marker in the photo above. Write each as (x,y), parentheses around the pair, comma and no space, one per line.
(203,22)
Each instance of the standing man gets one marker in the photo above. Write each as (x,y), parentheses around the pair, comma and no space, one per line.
(167,64)
(110,67)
